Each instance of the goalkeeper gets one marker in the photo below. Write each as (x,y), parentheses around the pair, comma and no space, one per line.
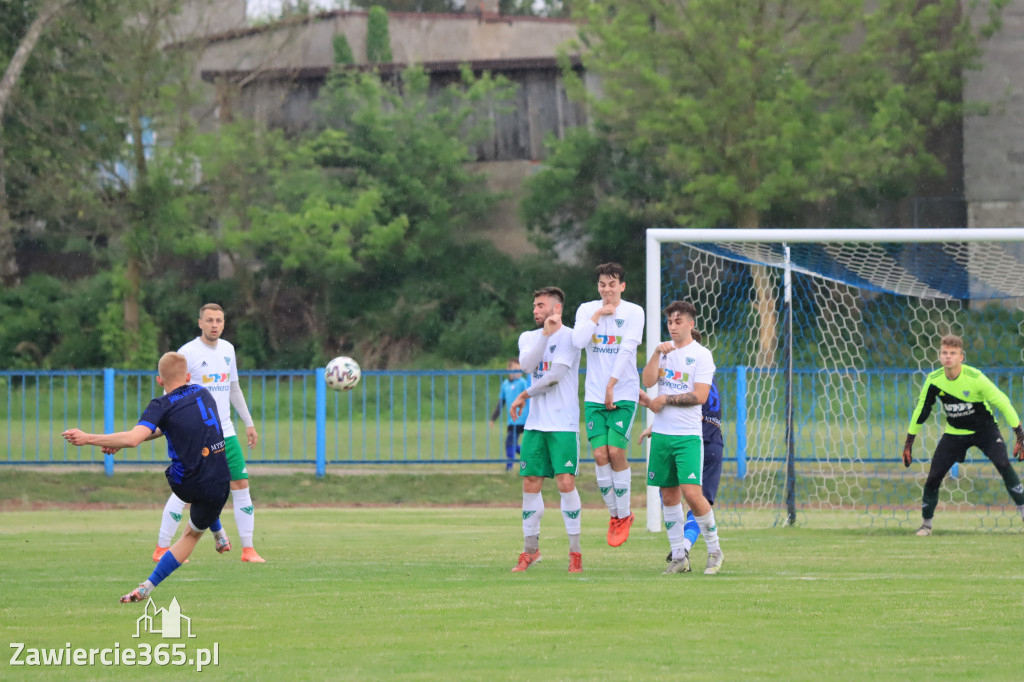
(965,394)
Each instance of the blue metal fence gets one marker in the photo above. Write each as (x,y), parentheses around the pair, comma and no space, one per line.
(437,417)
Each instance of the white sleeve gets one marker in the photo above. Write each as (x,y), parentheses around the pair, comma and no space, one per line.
(583,328)
(529,358)
(632,337)
(547,382)
(238,402)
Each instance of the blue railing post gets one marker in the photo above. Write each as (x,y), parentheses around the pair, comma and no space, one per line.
(108,415)
(741,422)
(321,422)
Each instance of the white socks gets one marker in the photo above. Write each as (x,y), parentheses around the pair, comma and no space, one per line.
(674,522)
(709,530)
(244,515)
(621,483)
(533,512)
(605,486)
(173,511)
(571,508)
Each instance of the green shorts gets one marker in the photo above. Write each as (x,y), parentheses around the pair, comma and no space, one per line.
(236,460)
(675,460)
(609,427)
(548,453)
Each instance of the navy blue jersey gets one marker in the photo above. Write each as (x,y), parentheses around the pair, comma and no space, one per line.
(195,441)
(711,416)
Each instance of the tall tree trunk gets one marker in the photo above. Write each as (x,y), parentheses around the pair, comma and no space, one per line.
(764,300)
(132,294)
(8,263)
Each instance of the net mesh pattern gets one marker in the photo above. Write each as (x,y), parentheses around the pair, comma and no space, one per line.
(866,323)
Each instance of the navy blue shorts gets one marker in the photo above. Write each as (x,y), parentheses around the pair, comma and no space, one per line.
(207,500)
(712,469)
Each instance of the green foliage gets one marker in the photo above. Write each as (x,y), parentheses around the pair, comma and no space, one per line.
(342,50)
(378,38)
(730,114)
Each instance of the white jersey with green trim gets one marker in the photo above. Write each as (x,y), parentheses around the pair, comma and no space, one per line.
(214,369)
(611,349)
(678,372)
(557,409)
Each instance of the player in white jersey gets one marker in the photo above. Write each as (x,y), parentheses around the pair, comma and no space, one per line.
(610,330)
(683,370)
(211,362)
(551,436)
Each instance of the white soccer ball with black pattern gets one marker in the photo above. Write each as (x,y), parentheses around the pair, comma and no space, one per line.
(343,374)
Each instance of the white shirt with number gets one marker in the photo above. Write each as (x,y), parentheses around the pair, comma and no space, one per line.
(557,409)
(214,369)
(603,342)
(679,371)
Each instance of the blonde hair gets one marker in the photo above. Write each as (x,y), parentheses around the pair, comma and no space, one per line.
(172,367)
(209,306)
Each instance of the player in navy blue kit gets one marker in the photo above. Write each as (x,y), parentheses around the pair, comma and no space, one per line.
(714,447)
(187,416)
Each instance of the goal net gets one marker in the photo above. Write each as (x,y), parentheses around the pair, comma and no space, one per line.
(822,339)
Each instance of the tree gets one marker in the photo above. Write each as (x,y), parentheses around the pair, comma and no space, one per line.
(748,110)
(12,74)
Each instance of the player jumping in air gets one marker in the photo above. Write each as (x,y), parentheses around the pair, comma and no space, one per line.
(610,329)
(965,394)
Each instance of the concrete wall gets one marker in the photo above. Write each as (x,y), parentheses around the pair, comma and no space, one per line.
(994,144)
(414,38)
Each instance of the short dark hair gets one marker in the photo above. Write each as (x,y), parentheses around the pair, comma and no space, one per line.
(210,306)
(612,270)
(512,361)
(553,292)
(695,335)
(681,307)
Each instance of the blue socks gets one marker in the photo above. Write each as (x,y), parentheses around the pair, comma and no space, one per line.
(216,525)
(691,531)
(167,565)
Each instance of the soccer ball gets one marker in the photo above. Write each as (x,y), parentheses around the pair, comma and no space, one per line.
(343,374)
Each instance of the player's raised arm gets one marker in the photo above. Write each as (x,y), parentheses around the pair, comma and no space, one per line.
(653,367)
(121,439)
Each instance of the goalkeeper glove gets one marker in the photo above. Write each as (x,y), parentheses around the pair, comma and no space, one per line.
(1018,449)
(908,446)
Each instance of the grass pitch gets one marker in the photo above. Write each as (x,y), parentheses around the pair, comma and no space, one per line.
(426,594)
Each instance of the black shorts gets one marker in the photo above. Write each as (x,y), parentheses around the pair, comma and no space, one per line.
(207,500)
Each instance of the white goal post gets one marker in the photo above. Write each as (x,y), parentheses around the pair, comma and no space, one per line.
(997,273)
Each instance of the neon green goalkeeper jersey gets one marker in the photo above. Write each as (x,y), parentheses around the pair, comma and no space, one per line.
(965,400)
